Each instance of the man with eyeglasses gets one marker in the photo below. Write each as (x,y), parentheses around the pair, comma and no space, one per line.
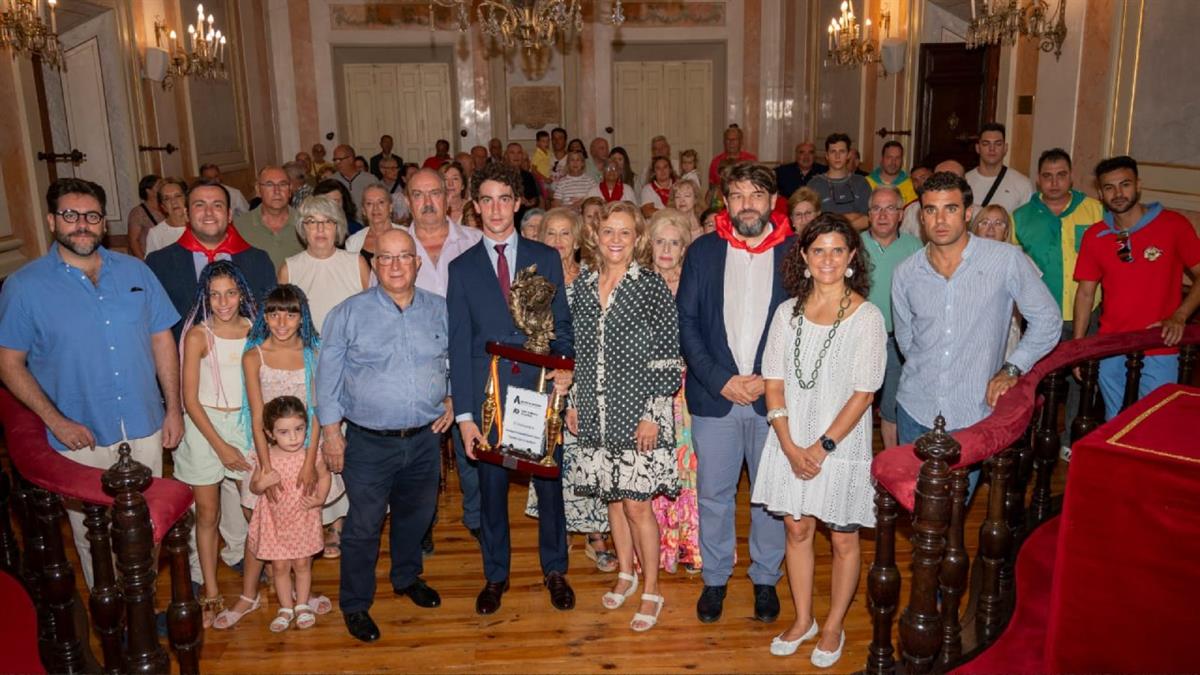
(992,181)
(477,298)
(383,372)
(86,343)
(841,190)
(385,152)
(347,174)
(271,226)
(1137,255)
(887,248)
(951,309)
(438,242)
(237,201)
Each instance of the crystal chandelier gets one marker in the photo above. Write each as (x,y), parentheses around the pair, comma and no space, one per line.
(850,43)
(1002,22)
(201,56)
(529,24)
(24,32)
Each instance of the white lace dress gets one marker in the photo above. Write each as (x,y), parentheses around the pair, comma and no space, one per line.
(843,492)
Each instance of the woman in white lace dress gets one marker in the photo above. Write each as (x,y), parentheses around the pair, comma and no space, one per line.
(824,358)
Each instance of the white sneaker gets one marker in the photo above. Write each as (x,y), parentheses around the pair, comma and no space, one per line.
(1065,453)
(781,647)
(824,659)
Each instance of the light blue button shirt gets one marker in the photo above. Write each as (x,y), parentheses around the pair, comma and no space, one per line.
(952,332)
(382,367)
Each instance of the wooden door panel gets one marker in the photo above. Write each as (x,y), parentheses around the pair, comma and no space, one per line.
(957,94)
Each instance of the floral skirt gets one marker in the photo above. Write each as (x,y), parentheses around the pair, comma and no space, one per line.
(679,518)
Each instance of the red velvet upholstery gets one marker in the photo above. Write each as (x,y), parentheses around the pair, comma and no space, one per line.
(18,626)
(896,468)
(1128,569)
(43,466)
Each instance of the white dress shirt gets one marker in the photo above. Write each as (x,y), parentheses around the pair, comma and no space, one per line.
(749,278)
(434,277)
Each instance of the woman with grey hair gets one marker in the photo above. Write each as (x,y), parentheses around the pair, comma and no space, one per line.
(531,224)
(326,274)
(376,210)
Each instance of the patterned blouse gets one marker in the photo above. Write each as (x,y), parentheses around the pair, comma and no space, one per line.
(627,362)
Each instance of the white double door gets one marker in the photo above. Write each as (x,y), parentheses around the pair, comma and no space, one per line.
(409,101)
(671,98)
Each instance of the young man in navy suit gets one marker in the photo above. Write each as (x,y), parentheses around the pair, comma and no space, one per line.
(728,292)
(477,299)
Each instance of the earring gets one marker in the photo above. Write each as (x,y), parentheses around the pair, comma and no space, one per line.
(807,273)
(849,272)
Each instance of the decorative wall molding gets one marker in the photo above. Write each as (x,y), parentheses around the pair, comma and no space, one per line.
(674,14)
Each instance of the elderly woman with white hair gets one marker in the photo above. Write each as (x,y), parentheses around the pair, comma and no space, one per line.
(326,274)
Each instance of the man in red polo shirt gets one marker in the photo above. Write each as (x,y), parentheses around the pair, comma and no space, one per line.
(733,149)
(1138,255)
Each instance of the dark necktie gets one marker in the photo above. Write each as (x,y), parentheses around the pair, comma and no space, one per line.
(502,269)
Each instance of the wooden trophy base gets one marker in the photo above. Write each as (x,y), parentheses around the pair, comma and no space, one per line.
(497,455)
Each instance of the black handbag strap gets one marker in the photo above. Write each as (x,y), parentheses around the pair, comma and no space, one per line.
(995,185)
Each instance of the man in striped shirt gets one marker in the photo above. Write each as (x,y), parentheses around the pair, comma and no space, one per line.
(951,308)
(572,188)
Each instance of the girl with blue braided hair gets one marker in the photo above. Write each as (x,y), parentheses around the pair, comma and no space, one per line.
(280,359)
(214,445)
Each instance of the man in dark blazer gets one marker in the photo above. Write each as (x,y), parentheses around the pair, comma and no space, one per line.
(210,236)
(477,299)
(732,282)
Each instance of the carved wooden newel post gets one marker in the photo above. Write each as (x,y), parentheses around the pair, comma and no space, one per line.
(183,615)
(921,622)
(134,542)
(106,604)
(995,541)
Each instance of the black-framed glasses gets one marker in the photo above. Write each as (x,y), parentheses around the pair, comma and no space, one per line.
(1124,248)
(71,216)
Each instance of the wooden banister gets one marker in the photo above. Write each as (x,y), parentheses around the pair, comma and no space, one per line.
(931,635)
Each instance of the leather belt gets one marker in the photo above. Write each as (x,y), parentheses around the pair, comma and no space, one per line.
(390,433)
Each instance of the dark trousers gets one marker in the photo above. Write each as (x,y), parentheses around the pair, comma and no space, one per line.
(380,472)
(494,538)
(468,482)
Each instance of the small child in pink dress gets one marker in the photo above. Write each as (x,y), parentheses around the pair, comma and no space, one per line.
(287,531)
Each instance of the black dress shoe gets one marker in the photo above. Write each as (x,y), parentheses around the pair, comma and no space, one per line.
(561,595)
(361,626)
(422,595)
(489,598)
(711,604)
(766,603)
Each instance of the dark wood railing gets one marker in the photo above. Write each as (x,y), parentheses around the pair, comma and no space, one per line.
(1019,446)
(127,515)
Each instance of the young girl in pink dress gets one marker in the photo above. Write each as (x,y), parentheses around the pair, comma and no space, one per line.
(287,530)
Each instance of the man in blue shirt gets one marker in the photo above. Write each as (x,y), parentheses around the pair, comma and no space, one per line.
(383,370)
(85,342)
(951,308)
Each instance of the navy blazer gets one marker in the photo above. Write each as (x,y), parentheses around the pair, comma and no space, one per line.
(479,314)
(176,270)
(701,302)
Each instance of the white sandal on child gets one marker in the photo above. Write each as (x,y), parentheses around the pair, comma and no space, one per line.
(648,620)
(613,600)
(319,603)
(305,617)
(283,619)
(228,618)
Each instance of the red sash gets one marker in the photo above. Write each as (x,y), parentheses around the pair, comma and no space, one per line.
(232,244)
(783,229)
(616,194)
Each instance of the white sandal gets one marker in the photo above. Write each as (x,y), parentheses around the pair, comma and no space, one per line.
(283,619)
(648,620)
(228,618)
(319,603)
(613,600)
(305,618)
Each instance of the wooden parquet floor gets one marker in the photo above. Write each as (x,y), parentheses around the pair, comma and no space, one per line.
(527,635)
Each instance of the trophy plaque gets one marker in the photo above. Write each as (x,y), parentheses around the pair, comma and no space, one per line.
(529,424)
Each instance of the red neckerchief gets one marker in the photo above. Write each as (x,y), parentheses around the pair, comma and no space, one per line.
(616,195)
(664,194)
(232,244)
(783,229)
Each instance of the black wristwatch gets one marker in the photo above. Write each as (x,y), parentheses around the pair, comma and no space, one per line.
(828,443)
(1010,370)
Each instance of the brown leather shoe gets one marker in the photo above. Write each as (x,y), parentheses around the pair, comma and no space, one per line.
(489,598)
(561,595)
